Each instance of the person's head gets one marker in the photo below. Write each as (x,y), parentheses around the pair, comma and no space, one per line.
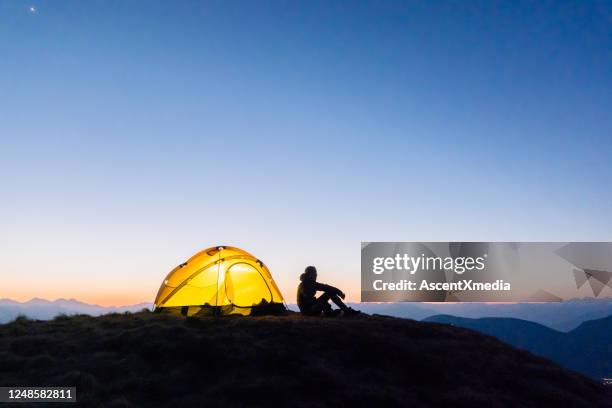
(310,273)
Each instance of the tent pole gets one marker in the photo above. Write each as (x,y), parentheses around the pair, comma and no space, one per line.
(216,310)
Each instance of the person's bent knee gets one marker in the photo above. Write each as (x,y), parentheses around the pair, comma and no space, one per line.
(326,296)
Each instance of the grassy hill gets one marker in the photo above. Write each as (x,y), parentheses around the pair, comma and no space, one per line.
(147,359)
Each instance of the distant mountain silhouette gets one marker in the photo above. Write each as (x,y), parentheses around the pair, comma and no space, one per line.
(563,316)
(586,349)
(148,360)
(43,309)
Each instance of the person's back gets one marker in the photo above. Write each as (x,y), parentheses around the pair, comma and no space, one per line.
(307,289)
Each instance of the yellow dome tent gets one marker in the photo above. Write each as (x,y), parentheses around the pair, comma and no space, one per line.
(220,280)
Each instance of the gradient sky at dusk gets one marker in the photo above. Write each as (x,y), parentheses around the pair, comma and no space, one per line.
(133,134)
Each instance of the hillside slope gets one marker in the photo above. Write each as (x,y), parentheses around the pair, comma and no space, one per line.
(146,359)
(586,349)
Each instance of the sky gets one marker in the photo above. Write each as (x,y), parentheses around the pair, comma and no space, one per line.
(134,134)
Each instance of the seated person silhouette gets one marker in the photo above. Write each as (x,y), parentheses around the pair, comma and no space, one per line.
(313,306)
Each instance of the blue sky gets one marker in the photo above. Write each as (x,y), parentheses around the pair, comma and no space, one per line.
(133,134)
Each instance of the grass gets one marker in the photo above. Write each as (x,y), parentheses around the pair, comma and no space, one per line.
(146,359)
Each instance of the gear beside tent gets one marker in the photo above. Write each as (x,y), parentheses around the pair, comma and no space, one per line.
(220,280)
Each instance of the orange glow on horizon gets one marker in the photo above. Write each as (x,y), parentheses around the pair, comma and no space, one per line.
(111,298)
(99,300)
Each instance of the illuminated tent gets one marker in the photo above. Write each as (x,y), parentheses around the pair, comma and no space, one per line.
(220,280)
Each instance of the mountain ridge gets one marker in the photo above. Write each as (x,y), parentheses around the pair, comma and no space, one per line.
(585,349)
(563,316)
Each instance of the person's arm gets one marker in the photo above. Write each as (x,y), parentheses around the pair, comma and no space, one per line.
(328,288)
